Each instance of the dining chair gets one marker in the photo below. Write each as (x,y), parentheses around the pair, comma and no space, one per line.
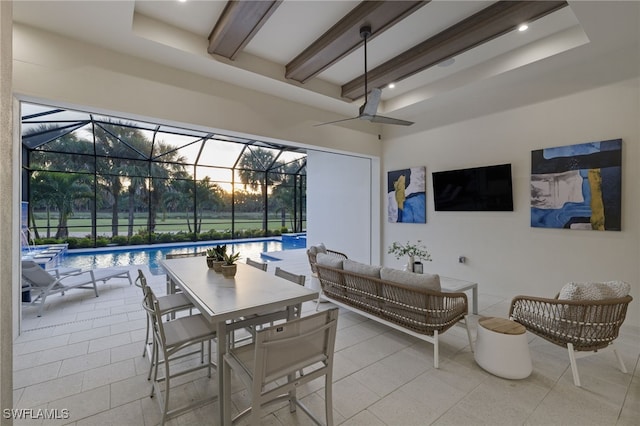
(169,304)
(270,367)
(256,264)
(290,276)
(170,287)
(296,278)
(172,339)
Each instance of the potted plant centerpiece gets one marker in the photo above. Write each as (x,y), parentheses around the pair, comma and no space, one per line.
(229,266)
(416,252)
(215,257)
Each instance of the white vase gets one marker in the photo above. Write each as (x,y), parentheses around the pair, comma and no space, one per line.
(410,264)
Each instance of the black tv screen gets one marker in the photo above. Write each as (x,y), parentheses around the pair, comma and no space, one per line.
(477,189)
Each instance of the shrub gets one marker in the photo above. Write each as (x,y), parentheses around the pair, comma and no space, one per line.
(137,240)
(120,240)
(102,241)
(85,242)
(165,238)
(72,242)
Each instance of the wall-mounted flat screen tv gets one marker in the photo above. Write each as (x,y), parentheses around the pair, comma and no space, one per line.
(478,189)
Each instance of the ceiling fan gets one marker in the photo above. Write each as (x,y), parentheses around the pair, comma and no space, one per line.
(372,100)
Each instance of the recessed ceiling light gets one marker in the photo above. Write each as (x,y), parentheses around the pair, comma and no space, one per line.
(391,85)
(182,1)
(447,62)
(523,27)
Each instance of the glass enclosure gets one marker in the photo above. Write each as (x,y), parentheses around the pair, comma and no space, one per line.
(92,180)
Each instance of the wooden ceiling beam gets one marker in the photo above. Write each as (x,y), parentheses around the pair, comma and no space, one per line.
(239,22)
(491,22)
(344,36)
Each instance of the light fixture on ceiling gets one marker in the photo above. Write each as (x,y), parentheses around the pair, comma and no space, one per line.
(368,110)
(447,62)
(391,85)
(523,27)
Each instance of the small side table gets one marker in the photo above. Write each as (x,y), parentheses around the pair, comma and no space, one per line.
(502,348)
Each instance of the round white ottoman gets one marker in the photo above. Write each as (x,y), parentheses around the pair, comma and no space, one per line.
(502,348)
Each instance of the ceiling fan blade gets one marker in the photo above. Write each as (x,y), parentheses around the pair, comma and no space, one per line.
(336,121)
(389,120)
(370,107)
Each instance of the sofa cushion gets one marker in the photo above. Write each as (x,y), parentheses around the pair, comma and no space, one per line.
(361,268)
(427,281)
(328,260)
(594,291)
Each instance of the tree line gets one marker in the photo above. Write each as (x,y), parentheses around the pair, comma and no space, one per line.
(114,166)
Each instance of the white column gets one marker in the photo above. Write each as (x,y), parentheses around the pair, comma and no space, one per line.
(8,258)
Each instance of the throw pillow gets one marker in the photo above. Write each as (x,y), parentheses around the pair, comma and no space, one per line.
(361,268)
(427,281)
(321,248)
(594,291)
(328,260)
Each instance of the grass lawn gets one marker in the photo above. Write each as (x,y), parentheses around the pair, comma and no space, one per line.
(169,223)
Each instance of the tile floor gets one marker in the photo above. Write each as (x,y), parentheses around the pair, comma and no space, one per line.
(84,356)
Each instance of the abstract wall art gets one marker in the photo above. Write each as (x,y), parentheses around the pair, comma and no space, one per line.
(406,195)
(577,186)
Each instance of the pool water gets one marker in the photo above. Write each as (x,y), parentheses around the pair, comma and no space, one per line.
(152,255)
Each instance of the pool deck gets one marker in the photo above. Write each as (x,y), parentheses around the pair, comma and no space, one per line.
(118,298)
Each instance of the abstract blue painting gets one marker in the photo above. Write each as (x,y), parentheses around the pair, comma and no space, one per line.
(406,195)
(577,186)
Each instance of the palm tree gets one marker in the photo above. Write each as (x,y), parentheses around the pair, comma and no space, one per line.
(208,196)
(286,193)
(253,168)
(119,145)
(48,188)
(64,189)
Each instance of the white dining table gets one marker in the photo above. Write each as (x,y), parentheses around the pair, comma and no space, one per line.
(226,302)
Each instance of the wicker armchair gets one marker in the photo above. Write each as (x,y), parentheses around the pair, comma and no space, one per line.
(312,253)
(584,326)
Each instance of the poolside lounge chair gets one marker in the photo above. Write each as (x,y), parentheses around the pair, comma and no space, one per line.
(42,284)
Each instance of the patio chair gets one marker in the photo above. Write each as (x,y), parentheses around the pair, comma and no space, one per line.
(582,326)
(169,304)
(172,339)
(43,284)
(171,288)
(270,367)
(256,264)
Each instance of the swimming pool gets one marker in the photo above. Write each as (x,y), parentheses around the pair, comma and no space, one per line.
(152,255)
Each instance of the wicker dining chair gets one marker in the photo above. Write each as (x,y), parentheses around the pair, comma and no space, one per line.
(581,326)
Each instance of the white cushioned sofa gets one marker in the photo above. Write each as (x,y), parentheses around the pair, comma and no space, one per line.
(409,302)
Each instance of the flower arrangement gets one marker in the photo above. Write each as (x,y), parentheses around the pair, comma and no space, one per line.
(417,250)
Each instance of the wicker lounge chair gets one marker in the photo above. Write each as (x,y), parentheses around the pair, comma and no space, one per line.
(42,284)
(584,326)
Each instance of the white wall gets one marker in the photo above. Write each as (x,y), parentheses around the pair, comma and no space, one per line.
(504,254)
(341,192)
